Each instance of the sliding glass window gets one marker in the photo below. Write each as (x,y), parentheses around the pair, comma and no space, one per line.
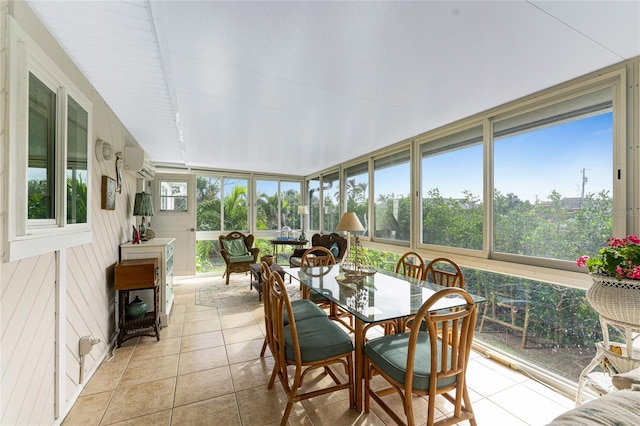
(451,182)
(313,198)
(208,203)
(277,204)
(357,193)
(235,204)
(553,184)
(330,201)
(392,188)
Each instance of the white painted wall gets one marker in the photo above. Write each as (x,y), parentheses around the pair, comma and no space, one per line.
(30,352)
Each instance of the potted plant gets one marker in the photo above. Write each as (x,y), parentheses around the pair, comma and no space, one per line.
(268,258)
(615,271)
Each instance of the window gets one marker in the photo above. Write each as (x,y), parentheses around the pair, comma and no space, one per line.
(313,197)
(330,201)
(553,186)
(277,204)
(451,182)
(41,189)
(208,203)
(235,204)
(357,192)
(77,162)
(392,187)
(290,199)
(49,197)
(173,196)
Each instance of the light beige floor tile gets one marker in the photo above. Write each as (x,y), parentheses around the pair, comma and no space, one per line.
(204,359)
(302,420)
(489,414)
(340,414)
(162,418)
(205,314)
(202,326)
(234,320)
(242,334)
(419,409)
(260,406)
(152,349)
(106,377)
(531,412)
(222,410)
(140,370)
(171,331)
(202,341)
(140,400)
(203,385)
(88,410)
(244,351)
(252,374)
(486,381)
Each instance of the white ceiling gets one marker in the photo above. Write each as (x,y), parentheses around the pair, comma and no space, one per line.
(295,87)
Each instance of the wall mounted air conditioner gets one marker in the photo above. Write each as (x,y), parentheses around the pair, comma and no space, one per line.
(137,163)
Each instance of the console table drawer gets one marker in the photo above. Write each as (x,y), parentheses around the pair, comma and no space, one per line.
(136,274)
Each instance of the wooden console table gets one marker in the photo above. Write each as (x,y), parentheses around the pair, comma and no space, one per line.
(130,275)
(285,242)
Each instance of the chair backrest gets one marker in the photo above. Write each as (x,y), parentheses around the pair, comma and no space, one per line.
(450,276)
(410,264)
(317,256)
(248,239)
(265,278)
(450,334)
(328,240)
(279,303)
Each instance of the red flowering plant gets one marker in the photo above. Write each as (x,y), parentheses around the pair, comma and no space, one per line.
(619,259)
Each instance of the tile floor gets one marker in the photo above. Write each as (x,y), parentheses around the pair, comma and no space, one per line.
(206,370)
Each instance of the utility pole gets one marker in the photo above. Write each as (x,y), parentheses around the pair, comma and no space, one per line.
(584,180)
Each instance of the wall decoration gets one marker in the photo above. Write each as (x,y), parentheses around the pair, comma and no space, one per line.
(108,193)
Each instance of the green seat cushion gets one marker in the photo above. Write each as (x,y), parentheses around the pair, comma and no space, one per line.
(304,309)
(320,338)
(317,297)
(235,247)
(335,250)
(243,258)
(389,353)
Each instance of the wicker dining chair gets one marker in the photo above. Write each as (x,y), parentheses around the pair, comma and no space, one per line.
(425,362)
(411,264)
(302,309)
(444,272)
(301,346)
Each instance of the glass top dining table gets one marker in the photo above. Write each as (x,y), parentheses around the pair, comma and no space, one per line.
(378,298)
(382,296)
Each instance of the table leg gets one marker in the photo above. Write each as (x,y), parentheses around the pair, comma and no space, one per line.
(359,364)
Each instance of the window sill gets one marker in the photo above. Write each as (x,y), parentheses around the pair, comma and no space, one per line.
(38,244)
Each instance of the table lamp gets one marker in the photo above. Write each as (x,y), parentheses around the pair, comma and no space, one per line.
(350,223)
(303,209)
(143,206)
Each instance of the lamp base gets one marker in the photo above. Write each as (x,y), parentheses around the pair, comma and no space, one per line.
(302,236)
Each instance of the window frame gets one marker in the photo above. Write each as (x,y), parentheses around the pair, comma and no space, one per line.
(25,238)
(622,213)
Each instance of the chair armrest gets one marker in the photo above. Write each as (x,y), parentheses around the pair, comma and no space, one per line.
(225,256)
(255,251)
